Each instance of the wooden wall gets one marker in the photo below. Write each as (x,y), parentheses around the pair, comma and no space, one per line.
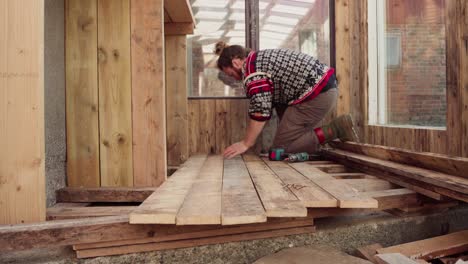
(115,97)
(214,124)
(351,39)
(22,154)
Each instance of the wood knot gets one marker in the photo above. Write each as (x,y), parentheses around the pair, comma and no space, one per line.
(102,55)
(18,188)
(115,53)
(120,139)
(93,108)
(105,143)
(85,22)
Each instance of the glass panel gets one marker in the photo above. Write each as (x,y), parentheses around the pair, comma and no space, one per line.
(215,20)
(296,24)
(415,62)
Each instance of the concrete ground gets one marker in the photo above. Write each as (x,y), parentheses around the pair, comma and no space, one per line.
(343,233)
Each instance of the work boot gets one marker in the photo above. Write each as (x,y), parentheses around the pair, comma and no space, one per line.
(341,127)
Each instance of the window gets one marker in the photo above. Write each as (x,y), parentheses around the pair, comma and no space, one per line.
(296,24)
(300,25)
(407,63)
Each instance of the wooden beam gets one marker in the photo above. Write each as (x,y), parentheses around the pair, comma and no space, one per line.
(368,252)
(241,204)
(148,93)
(103,194)
(439,179)
(22,155)
(192,242)
(432,248)
(69,232)
(443,163)
(176,97)
(82,93)
(343,58)
(393,258)
(57,213)
(179,11)
(115,104)
(178,28)
(164,204)
(394,198)
(206,231)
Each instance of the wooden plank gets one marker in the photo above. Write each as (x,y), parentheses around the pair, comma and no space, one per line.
(82,93)
(103,194)
(177,102)
(202,204)
(343,49)
(309,193)
(192,242)
(393,258)
(414,185)
(394,198)
(346,196)
(178,29)
(238,119)
(57,213)
(367,185)
(352,175)
(432,248)
(179,10)
(453,260)
(454,44)
(148,93)
(240,202)
(368,252)
(207,121)
(222,132)
(451,182)
(432,161)
(277,200)
(331,168)
(68,232)
(22,154)
(194,126)
(68,205)
(162,206)
(463,28)
(205,231)
(115,105)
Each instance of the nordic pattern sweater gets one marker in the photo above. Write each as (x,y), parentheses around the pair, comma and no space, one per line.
(281,77)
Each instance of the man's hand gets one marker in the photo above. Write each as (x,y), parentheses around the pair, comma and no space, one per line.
(235,149)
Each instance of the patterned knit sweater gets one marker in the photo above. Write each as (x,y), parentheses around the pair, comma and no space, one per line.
(281,77)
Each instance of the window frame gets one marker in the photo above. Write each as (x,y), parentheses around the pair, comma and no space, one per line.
(252,38)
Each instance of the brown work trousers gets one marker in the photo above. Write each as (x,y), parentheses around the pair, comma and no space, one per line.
(296,128)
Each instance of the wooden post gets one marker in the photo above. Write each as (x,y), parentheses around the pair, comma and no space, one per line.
(148,93)
(177,102)
(22,180)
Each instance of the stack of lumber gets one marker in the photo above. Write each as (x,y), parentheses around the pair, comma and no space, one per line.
(212,200)
(437,176)
(446,249)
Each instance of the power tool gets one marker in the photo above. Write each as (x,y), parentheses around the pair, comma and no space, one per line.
(277,154)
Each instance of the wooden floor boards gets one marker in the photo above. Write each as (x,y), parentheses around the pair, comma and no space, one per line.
(248,189)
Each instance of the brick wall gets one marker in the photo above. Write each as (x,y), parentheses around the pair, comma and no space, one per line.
(416,89)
